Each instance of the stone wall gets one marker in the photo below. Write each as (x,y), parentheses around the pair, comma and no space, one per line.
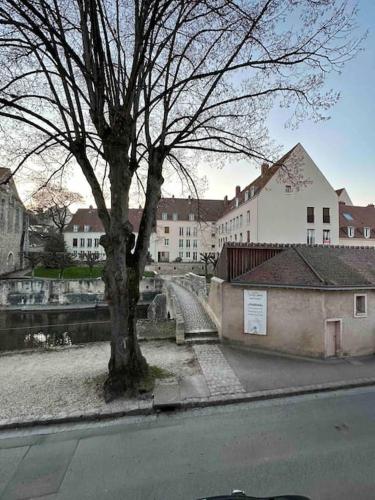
(176,268)
(12,231)
(38,291)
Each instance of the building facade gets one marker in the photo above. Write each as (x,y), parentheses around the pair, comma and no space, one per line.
(13,226)
(290,202)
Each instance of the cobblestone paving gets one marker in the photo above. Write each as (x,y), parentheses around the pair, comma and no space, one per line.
(219,376)
(195,317)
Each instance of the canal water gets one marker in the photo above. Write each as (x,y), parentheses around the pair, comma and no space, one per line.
(32,329)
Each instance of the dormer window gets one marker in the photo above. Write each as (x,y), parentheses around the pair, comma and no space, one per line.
(164,216)
(175,216)
(191,217)
(351,231)
(75,228)
(237,202)
(86,228)
(366,232)
(247,195)
(252,191)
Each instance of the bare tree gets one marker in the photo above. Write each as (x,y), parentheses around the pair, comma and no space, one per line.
(126,87)
(90,259)
(56,202)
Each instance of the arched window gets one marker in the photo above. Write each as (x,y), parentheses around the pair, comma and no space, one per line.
(10,260)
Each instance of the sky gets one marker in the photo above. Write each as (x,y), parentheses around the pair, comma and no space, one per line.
(342,147)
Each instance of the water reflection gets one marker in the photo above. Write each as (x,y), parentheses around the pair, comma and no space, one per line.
(48,328)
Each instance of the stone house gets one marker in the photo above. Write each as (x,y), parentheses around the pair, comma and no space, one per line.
(314,301)
(13,225)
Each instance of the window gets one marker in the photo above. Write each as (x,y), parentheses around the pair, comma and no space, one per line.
(17,222)
(246,195)
(75,242)
(187,255)
(326,237)
(86,228)
(310,214)
(326,216)
(188,231)
(347,216)
(311,236)
(96,242)
(166,242)
(226,227)
(248,236)
(248,216)
(351,231)
(235,237)
(164,216)
(191,216)
(181,232)
(366,232)
(187,243)
(195,231)
(195,256)
(237,222)
(180,243)
(360,305)
(75,228)
(166,230)
(240,236)
(252,191)
(175,216)
(82,242)
(237,202)
(288,188)
(181,254)
(89,242)
(241,220)
(195,243)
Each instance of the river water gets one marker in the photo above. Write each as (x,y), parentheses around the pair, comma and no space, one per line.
(46,328)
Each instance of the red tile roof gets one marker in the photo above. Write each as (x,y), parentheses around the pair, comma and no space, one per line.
(315,267)
(203,210)
(89,217)
(259,183)
(361,217)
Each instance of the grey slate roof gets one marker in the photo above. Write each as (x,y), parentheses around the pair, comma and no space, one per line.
(316,267)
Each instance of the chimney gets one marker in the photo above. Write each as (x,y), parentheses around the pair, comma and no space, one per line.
(225,200)
(371,205)
(238,190)
(140,207)
(264,168)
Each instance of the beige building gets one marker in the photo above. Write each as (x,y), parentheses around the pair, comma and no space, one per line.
(314,301)
(185,228)
(13,226)
(290,202)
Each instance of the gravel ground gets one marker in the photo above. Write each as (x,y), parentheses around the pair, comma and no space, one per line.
(54,383)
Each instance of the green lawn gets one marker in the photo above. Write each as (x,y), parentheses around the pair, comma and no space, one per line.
(76,272)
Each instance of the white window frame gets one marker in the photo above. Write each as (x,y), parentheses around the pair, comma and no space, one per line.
(310,232)
(86,228)
(166,242)
(356,314)
(164,216)
(367,232)
(351,231)
(75,228)
(191,217)
(175,216)
(327,241)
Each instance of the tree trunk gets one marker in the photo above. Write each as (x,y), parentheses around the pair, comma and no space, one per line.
(127,366)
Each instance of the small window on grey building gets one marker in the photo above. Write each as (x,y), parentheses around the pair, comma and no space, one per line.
(360,305)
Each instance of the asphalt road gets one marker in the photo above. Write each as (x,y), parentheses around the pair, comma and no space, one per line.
(322,446)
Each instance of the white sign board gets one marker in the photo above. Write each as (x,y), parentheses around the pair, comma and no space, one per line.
(255,312)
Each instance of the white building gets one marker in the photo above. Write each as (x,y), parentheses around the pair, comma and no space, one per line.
(290,202)
(185,228)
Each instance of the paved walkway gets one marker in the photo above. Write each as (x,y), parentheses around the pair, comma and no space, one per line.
(195,317)
(219,376)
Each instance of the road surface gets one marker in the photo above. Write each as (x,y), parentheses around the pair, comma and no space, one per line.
(322,446)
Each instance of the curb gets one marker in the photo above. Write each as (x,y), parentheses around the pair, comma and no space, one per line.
(225,399)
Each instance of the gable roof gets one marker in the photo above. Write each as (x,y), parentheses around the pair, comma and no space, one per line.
(260,182)
(203,210)
(89,217)
(6,173)
(361,217)
(322,267)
